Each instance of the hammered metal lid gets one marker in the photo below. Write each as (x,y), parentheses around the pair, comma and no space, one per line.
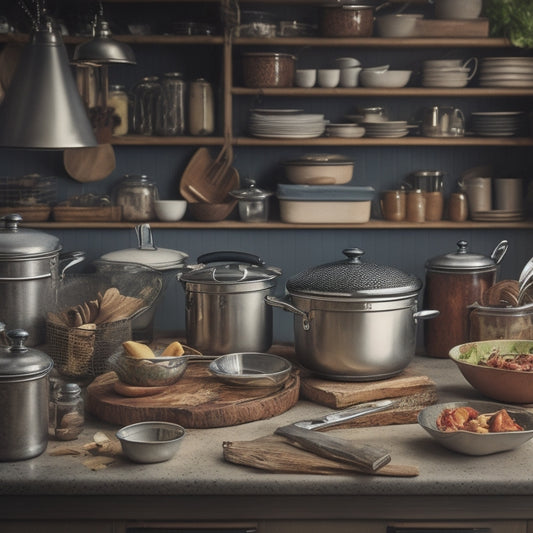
(462,260)
(19,362)
(352,277)
(16,242)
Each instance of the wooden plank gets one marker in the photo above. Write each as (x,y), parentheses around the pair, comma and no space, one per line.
(452,28)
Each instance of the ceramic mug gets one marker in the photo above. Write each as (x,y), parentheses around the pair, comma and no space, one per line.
(305,77)
(393,205)
(479,194)
(434,205)
(508,194)
(349,77)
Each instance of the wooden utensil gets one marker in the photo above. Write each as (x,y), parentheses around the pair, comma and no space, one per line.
(89,164)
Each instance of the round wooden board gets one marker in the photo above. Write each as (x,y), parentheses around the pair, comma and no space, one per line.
(198,400)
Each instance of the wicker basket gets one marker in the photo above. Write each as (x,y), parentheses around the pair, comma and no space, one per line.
(83,351)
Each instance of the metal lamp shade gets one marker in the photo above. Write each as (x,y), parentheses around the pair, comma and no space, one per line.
(43,108)
(102,48)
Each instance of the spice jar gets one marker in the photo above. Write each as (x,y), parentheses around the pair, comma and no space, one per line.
(69,416)
(171,105)
(201,108)
(145,96)
(136,194)
(118,100)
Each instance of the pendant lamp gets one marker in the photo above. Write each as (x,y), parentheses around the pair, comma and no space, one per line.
(43,108)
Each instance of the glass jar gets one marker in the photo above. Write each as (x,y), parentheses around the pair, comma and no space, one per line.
(171,105)
(118,100)
(69,415)
(201,108)
(136,194)
(145,96)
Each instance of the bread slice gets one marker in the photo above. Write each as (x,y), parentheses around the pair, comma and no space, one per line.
(138,350)
(174,349)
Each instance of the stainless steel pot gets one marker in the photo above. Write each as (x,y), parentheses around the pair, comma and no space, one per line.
(31,269)
(163,260)
(225,309)
(24,389)
(354,321)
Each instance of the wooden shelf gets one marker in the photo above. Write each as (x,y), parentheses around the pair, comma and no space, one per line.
(192,40)
(418,92)
(147,140)
(238,225)
(403,141)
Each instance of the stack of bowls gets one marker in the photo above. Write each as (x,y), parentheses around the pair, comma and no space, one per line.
(448,72)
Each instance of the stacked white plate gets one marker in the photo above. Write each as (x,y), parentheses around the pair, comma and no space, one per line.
(498,216)
(506,72)
(349,131)
(285,123)
(445,76)
(498,123)
(388,129)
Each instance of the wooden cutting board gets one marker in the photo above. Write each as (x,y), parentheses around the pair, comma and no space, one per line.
(452,28)
(198,400)
(274,454)
(341,394)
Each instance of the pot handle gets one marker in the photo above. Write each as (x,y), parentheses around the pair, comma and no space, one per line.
(71,259)
(500,250)
(426,314)
(286,306)
(240,257)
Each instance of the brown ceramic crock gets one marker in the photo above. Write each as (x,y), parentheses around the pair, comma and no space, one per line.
(455,281)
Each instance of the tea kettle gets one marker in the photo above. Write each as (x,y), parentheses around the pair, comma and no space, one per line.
(443,121)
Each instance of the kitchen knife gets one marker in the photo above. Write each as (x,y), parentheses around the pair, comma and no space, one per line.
(368,458)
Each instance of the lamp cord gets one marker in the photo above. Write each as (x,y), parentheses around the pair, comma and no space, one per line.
(36,5)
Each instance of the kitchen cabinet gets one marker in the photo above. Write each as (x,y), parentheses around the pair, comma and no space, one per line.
(382,163)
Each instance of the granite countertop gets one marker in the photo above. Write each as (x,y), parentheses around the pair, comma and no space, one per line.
(199,467)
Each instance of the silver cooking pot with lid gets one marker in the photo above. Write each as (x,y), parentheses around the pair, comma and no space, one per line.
(24,390)
(165,262)
(31,268)
(225,309)
(354,321)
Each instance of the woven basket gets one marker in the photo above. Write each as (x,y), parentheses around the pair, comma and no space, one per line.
(83,352)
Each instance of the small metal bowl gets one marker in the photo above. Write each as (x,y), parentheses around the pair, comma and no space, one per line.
(470,443)
(251,369)
(150,442)
(155,372)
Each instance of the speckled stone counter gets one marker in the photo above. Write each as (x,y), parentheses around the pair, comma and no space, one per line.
(198,480)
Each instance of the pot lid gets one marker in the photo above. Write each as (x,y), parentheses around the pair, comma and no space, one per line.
(21,242)
(319,159)
(18,361)
(251,192)
(232,268)
(146,253)
(463,260)
(352,277)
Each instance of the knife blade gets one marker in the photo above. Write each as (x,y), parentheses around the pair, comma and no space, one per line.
(368,458)
(338,417)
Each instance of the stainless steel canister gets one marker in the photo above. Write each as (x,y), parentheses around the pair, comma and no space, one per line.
(24,390)
(171,105)
(225,309)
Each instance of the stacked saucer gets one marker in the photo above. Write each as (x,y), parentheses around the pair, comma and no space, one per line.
(448,72)
(506,72)
(349,131)
(498,123)
(386,129)
(286,124)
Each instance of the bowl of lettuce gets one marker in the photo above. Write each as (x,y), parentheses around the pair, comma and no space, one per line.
(512,19)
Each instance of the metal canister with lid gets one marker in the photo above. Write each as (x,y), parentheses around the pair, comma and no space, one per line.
(454,281)
(24,389)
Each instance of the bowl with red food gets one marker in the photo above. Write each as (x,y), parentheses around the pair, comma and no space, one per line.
(477,427)
(499,369)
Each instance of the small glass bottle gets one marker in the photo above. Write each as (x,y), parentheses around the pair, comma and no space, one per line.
(119,101)
(136,194)
(201,108)
(69,412)
(171,105)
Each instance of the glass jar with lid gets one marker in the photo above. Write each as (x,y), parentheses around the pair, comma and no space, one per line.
(171,105)
(69,415)
(119,101)
(145,95)
(201,108)
(136,194)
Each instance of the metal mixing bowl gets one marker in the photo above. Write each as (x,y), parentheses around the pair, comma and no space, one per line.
(251,369)
(150,442)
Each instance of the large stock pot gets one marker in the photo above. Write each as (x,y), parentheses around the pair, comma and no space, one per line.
(354,321)
(225,309)
(31,268)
